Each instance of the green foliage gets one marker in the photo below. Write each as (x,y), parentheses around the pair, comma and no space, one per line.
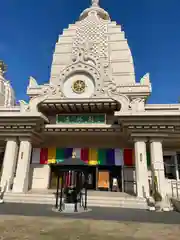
(157,196)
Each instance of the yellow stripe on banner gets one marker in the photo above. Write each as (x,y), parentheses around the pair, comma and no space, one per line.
(51,155)
(93,156)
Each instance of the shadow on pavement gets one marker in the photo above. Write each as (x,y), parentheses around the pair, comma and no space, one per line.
(97,213)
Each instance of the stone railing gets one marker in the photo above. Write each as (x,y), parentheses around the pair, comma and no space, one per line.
(175,188)
(176,204)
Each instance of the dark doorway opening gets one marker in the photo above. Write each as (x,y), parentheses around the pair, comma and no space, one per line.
(91,172)
(108,174)
(114,173)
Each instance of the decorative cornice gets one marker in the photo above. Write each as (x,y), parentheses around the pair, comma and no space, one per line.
(151,127)
(81,129)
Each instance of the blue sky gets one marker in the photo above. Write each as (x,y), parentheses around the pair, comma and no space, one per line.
(30,29)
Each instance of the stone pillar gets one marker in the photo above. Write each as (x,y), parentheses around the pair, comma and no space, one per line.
(21,181)
(141,168)
(157,162)
(9,162)
(176,166)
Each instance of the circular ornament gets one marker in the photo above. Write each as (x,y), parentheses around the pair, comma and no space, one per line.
(79,86)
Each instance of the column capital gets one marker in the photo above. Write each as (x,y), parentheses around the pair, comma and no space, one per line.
(156,140)
(28,139)
(15,139)
(140,139)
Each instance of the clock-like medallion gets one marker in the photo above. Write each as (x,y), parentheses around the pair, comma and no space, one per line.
(78,86)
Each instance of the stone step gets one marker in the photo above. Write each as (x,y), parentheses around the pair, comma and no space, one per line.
(101,201)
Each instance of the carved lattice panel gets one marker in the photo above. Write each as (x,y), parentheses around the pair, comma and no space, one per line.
(92,35)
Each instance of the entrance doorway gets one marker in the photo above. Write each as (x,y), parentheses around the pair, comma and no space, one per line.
(53,178)
(110,177)
(99,178)
(91,178)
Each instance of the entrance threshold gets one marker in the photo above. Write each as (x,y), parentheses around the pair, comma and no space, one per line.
(93,193)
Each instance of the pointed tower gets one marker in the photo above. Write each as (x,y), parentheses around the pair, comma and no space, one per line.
(92,59)
(98,41)
(7,97)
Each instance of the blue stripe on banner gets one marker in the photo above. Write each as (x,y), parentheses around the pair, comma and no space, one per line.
(110,157)
(68,152)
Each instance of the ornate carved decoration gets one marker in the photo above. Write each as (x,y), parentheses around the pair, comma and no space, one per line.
(48,91)
(3,68)
(114,94)
(145,80)
(93,31)
(84,67)
(79,86)
(137,104)
(91,42)
(52,90)
(32,82)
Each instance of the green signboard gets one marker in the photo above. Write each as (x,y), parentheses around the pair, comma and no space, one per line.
(80,119)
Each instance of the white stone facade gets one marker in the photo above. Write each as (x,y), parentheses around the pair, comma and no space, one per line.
(94,51)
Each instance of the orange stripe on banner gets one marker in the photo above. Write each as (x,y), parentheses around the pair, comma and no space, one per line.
(93,156)
(51,155)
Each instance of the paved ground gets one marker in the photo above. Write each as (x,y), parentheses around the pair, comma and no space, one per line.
(45,228)
(31,221)
(97,213)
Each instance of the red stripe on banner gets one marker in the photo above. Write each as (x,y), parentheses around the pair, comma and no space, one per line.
(84,154)
(128,157)
(44,156)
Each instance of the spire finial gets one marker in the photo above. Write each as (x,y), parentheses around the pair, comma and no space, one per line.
(3,68)
(95,3)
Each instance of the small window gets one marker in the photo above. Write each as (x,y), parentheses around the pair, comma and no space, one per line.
(169,167)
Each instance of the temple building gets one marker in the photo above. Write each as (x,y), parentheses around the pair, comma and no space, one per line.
(92,108)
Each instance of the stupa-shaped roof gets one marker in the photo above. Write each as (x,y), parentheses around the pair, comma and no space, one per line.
(95,7)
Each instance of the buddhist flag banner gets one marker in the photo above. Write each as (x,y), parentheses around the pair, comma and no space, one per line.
(51,155)
(102,157)
(77,152)
(119,160)
(148,159)
(63,153)
(36,155)
(44,156)
(128,157)
(85,154)
(110,157)
(91,156)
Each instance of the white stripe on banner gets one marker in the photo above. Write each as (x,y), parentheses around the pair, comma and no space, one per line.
(119,161)
(78,152)
(36,155)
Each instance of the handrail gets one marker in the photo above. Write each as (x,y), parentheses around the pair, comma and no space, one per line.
(175,185)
